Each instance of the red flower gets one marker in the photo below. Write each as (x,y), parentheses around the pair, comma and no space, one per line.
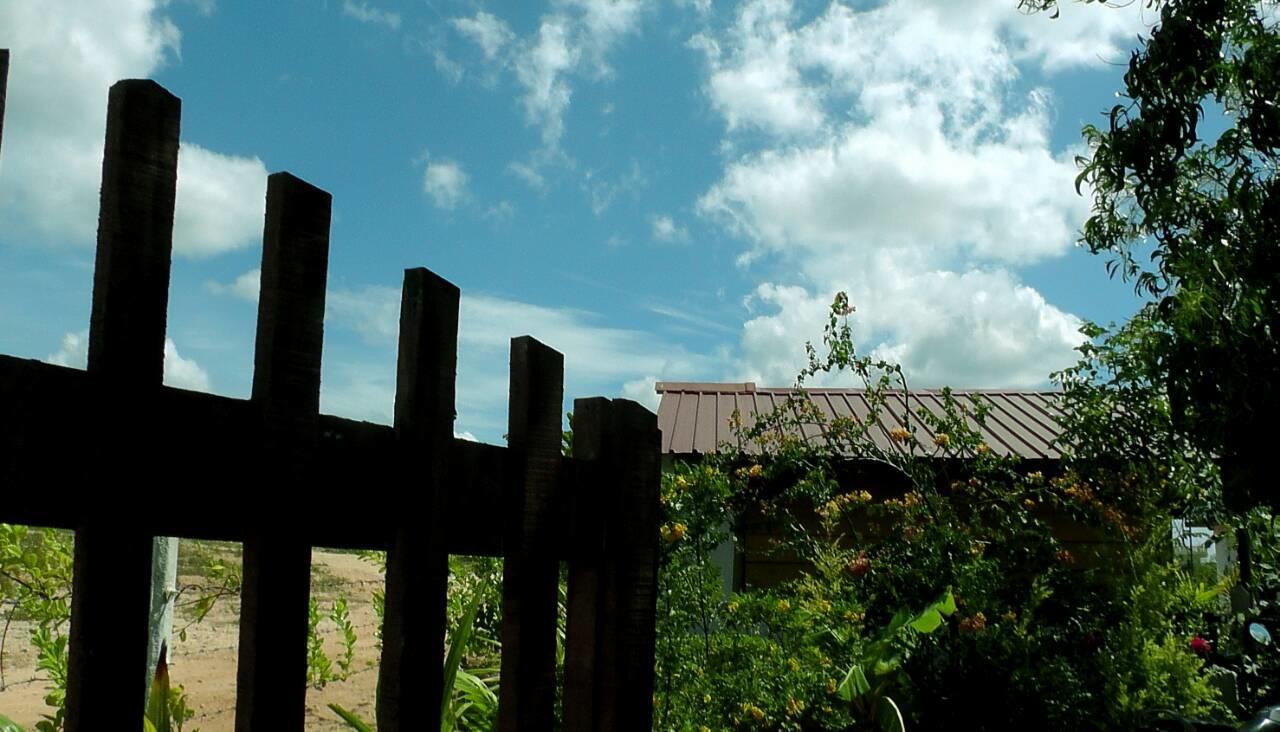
(1201,646)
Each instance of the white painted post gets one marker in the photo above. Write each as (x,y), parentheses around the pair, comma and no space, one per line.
(164,581)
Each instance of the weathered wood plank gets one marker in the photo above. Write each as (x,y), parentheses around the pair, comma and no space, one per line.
(612,595)
(111,588)
(587,612)
(531,569)
(271,675)
(4,85)
(411,678)
(209,439)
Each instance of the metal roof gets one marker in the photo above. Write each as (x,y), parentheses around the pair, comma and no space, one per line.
(694,417)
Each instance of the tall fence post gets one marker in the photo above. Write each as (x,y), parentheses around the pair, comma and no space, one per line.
(272,671)
(112,567)
(4,84)
(411,675)
(531,568)
(613,578)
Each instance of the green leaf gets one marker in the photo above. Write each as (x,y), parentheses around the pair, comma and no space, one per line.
(8,725)
(854,684)
(354,722)
(888,716)
(457,645)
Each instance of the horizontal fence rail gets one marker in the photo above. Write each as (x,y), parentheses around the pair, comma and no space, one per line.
(117,437)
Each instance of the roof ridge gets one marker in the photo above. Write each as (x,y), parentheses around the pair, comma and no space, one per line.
(747,387)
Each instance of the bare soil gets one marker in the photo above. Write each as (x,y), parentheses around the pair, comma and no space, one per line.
(205,663)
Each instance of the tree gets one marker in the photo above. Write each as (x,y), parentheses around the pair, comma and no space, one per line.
(1205,209)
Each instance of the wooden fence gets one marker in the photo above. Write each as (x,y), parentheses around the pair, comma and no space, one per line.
(119,458)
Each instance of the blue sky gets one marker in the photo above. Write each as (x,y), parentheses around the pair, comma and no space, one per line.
(663,191)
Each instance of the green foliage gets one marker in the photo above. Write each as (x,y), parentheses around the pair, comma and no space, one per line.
(1034,634)
(469,702)
(1203,208)
(319,667)
(35,585)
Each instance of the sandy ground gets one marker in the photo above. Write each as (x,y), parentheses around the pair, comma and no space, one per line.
(205,663)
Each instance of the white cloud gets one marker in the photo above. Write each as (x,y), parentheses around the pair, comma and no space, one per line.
(901,162)
(221,202)
(572,41)
(666,229)
(245,286)
(366,13)
(446,183)
(488,31)
(66,55)
(540,69)
(180,372)
(529,174)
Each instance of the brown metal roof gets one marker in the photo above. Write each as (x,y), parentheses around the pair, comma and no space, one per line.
(694,417)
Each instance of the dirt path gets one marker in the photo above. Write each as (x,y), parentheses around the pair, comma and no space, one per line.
(205,663)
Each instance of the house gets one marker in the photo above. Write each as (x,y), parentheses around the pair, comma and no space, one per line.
(695,420)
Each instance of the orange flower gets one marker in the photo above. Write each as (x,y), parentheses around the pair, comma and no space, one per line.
(900,434)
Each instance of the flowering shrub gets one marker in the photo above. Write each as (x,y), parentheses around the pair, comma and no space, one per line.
(1043,635)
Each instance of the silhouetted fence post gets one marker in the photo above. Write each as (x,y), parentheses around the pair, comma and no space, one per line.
(271,454)
(271,678)
(411,677)
(613,577)
(4,85)
(111,592)
(531,567)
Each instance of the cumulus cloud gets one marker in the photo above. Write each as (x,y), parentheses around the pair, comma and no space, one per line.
(366,13)
(245,286)
(180,372)
(893,151)
(574,40)
(66,55)
(488,31)
(446,183)
(666,229)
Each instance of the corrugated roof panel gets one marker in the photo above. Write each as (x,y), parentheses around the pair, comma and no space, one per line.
(704,433)
(1032,431)
(694,417)
(1011,431)
(725,404)
(686,421)
(667,421)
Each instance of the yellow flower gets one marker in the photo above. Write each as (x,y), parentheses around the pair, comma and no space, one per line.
(831,686)
(682,482)
(793,664)
(784,605)
(794,707)
(671,533)
(755,471)
(732,607)
(704,728)
(706,698)
(1028,503)
(983,449)
(864,496)
(942,439)
(900,434)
